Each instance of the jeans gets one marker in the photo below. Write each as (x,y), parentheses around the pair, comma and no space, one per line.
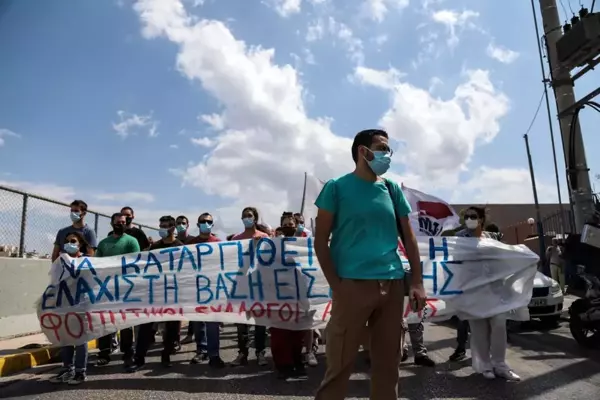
(243,337)
(462,334)
(208,338)
(125,344)
(75,357)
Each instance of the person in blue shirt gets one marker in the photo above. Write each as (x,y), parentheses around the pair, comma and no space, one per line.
(363,213)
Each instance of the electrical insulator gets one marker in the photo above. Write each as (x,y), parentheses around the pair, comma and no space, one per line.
(566,27)
(583,12)
(575,20)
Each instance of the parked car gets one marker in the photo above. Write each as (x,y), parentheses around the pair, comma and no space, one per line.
(547,299)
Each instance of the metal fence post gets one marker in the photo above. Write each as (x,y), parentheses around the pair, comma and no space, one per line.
(23,226)
(96,218)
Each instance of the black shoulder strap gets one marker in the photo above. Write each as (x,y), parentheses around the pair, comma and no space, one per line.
(388,185)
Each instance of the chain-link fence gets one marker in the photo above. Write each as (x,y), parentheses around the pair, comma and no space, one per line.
(29,223)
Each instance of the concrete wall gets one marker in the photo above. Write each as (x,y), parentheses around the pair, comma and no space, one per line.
(22,282)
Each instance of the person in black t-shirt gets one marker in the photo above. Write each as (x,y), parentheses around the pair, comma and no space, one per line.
(168,239)
(134,231)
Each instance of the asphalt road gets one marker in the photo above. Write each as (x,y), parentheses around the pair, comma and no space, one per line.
(550,363)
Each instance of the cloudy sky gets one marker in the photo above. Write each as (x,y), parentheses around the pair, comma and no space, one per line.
(186,106)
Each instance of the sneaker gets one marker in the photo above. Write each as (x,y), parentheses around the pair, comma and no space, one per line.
(489,375)
(424,361)
(78,378)
(216,362)
(261,359)
(458,355)
(311,359)
(101,362)
(284,373)
(241,359)
(63,376)
(299,372)
(199,358)
(404,355)
(135,366)
(507,374)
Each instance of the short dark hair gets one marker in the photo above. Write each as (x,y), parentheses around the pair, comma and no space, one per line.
(492,228)
(285,215)
(128,208)
(365,138)
(115,215)
(79,203)
(205,215)
(187,221)
(480,211)
(229,237)
(168,219)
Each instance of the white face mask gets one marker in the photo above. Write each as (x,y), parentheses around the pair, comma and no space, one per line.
(471,223)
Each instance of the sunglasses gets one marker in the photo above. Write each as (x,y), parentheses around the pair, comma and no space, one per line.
(205,221)
(471,216)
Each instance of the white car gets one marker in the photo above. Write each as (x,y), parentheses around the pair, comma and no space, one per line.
(547,299)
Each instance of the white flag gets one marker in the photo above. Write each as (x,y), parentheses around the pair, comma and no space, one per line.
(431,216)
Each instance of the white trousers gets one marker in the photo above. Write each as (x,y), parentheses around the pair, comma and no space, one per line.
(488,344)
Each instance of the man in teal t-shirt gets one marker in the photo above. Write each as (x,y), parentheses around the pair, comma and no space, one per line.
(363,267)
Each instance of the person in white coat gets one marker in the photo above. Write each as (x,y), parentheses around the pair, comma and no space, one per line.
(488,335)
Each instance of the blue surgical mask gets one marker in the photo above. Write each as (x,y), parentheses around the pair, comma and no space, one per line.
(248,222)
(300,228)
(163,233)
(205,227)
(380,163)
(181,228)
(75,216)
(71,248)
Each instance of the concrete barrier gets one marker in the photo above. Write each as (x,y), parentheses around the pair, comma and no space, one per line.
(22,282)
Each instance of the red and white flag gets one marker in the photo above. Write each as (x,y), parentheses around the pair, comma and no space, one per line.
(431,216)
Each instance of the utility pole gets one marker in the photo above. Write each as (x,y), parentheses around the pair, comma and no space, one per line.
(562,84)
(303,194)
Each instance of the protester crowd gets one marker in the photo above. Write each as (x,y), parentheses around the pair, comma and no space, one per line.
(360,218)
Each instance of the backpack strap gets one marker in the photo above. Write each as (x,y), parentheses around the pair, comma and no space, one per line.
(388,185)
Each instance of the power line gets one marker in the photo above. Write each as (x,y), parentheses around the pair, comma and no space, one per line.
(536,114)
(564,8)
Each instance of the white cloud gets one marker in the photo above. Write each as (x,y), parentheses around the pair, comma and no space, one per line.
(309,57)
(502,185)
(215,121)
(502,54)
(126,197)
(440,135)
(381,39)
(203,141)
(267,141)
(4,133)
(319,28)
(455,23)
(377,9)
(381,79)
(132,124)
(174,146)
(285,8)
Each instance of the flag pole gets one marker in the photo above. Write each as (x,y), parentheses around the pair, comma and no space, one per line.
(303,195)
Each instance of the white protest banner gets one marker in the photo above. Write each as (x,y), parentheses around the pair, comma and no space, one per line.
(431,216)
(271,282)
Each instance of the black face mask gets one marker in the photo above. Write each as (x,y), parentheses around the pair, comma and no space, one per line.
(128,220)
(119,229)
(288,231)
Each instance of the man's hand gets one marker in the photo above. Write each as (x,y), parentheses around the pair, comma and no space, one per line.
(417,292)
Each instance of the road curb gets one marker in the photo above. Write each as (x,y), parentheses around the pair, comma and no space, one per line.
(13,363)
